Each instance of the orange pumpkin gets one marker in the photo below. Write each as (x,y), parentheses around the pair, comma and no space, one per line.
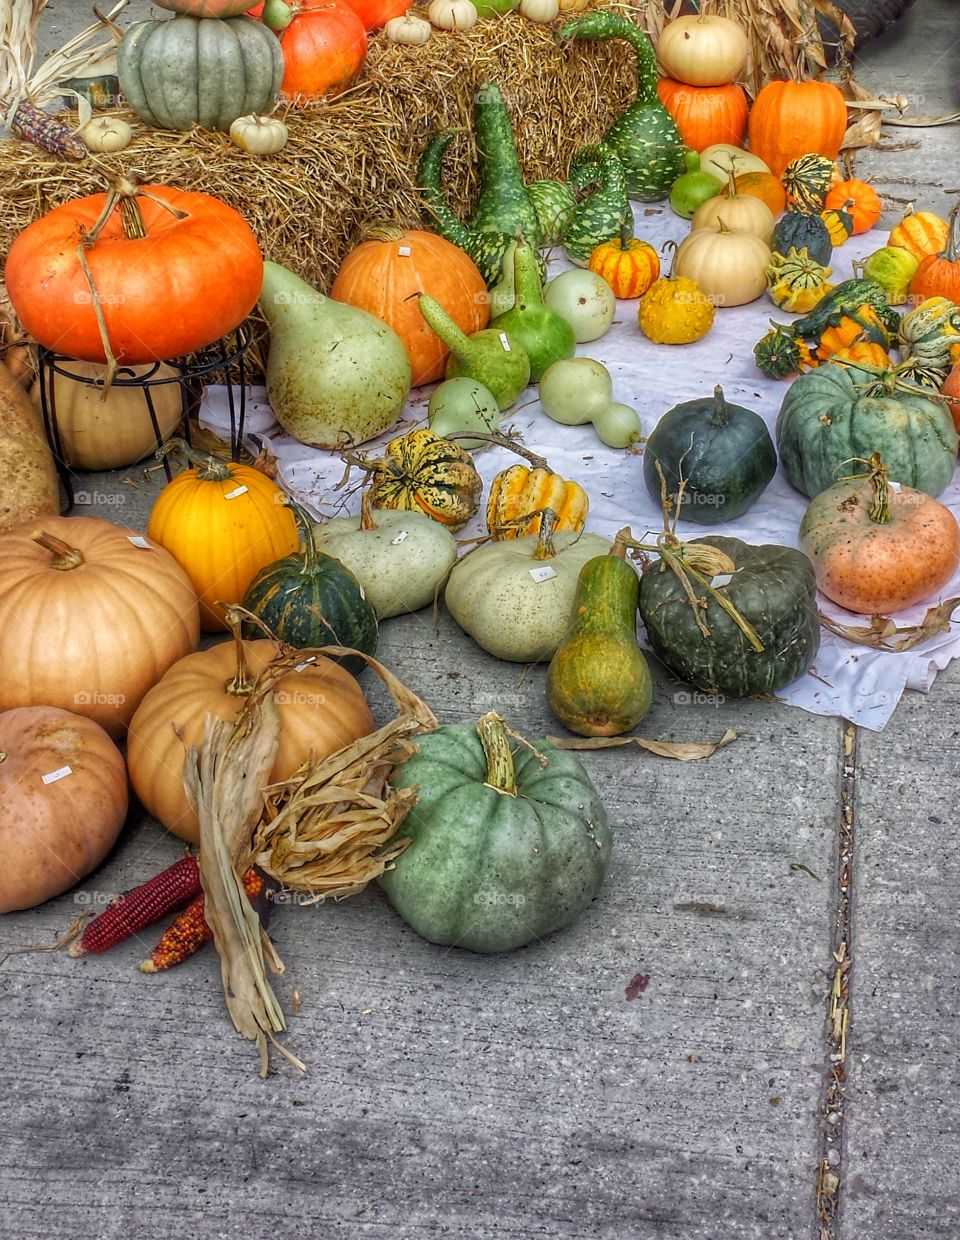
(89,620)
(706,114)
(876,550)
(376,13)
(765,186)
(63,800)
(951,389)
(859,200)
(321,709)
(863,352)
(939,274)
(628,265)
(386,271)
(323,49)
(920,232)
(223,523)
(789,119)
(157,267)
(850,331)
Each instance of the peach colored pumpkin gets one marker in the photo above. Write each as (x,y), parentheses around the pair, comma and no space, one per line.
(63,800)
(89,620)
(321,708)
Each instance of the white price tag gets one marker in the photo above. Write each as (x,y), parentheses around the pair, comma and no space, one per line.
(237,491)
(895,487)
(401,537)
(543,573)
(300,667)
(61,773)
(722,579)
(505,342)
(138,540)
(404,251)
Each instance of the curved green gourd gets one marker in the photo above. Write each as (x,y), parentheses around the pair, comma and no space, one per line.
(199,71)
(773,589)
(606,213)
(846,299)
(310,599)
(546,337)
(489,356)
(509,841)
(554,203)
(645,136)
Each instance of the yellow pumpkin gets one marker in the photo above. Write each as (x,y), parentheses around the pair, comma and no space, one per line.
(521,489)
(675,310)
(222,522)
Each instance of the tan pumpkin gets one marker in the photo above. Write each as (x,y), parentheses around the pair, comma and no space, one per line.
(89,619)
(739,212)
(63,800)
(116,432)
(729,267)
(321,709)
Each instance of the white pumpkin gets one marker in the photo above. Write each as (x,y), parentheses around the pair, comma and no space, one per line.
(410,30)
(703,49)
(730,267)
(540,10)
(718,158)
(259,135)
(105,134)
(740,213)
(453,14)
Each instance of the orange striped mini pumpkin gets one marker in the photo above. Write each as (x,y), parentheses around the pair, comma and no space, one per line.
(628,265)
(920,232)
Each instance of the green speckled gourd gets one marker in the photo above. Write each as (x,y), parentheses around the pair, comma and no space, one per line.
(772,588)
(846,299)
(645,136)
(554,203)
(509,841)
(199,71)
(504,207)
(604,214)
(930,332)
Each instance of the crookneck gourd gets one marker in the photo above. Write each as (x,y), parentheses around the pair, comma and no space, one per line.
(602,215)
(504,207)
(645,136)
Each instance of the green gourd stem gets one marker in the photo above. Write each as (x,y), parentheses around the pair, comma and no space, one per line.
(65,557)
(442,325)
(719,417)
(545,549)
(626,236)
(526,276)
(501,773)
(610,26)
(876,474)
(209,468)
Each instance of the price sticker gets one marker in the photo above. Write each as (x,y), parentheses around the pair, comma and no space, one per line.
(404,251)
(60,773)
(301,667)
(543,573)
(401,537)
(722,579)
(895,487)
(236,492)
(505,342)
(138,540)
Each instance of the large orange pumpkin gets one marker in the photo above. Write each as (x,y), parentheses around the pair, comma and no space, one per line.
(90,618)
(222,522)
(324,48)
(63,800)
(789,119)
(157,258)
(321,709)
(384,274)
(939,274)
(706,114)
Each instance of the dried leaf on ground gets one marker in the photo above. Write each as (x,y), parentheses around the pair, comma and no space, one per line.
(682,751)
(883,634)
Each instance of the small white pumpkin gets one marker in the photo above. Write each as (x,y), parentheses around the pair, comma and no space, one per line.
(730,267)
(540,10)
(409,29)
(105,134)
(453,14)
(259,135)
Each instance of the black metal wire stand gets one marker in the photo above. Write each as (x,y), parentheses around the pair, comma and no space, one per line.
(224,360)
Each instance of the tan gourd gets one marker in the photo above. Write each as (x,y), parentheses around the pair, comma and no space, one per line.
(730,267)
(739,212)
(30,487)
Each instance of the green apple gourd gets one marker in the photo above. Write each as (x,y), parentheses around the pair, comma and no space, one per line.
(509,841)
(578,390)
(693,188)
(490,356)
(585,300)
(459,406)
(336,375)
(546,337)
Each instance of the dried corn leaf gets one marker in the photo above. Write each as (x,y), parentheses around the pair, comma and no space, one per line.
(682,751)
(883,634)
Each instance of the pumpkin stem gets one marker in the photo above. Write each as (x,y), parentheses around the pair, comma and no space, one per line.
(209,468)
(501,773)
(545,548)
(620,544)
(876,474)
(65,557)
(384,230)
(505,441)
(670,247)
(719,417)
(242,682)
(366,513)
(626,234)
(952,251)
(304,521)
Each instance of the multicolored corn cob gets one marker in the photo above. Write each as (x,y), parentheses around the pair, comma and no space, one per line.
(141,907)
(34,125)
(188,932)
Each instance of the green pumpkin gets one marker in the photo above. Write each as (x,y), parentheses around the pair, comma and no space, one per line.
(606,212)
(774,591)
(311,599)
(724,453)
(199,71)
(645,137)
(508,843)
(837,413)
(799,230)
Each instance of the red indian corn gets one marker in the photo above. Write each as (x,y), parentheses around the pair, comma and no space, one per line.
(141,907)
(188,932)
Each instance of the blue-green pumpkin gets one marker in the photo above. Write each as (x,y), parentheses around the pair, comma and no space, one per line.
(311,599)
(508,842)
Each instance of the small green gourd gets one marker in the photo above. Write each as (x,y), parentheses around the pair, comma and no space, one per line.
(459,406)
(693,188)
(578,390)
(489,356)
(546,336)
(598,683)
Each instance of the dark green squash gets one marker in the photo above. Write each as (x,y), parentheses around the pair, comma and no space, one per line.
(723,451)
(599,683)
(800,230)
(837,413)
(509,841)
(311,599)
(774,591)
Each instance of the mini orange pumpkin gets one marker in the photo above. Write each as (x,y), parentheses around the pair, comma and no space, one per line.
(939,274)
(706,114)
(628,265)
(789,119)
(859,200)
(920,232)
